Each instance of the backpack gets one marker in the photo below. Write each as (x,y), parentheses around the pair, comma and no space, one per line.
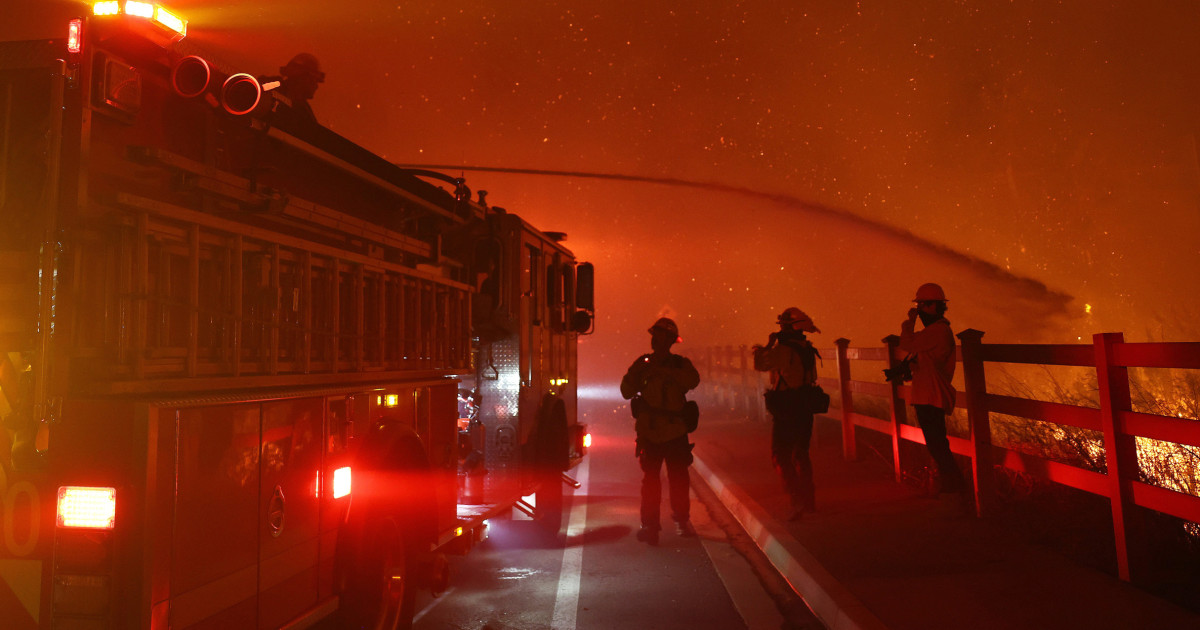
(690,412)
(806,398)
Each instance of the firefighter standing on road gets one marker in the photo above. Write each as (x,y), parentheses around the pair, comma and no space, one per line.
(656,383)
(932,349)
(791,360)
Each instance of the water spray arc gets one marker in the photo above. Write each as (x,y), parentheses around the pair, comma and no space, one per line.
(1054,301)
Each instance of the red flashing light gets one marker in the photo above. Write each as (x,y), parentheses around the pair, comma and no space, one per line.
(75,35)
(341,482)
(88,508)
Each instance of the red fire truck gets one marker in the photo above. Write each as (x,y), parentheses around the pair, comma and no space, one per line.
(252,375)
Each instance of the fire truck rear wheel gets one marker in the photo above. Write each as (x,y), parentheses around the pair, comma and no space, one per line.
(553,443)
(381,591)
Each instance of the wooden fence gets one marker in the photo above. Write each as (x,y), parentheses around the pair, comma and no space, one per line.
(730,381)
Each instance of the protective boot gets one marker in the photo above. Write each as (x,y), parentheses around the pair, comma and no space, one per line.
(648,536)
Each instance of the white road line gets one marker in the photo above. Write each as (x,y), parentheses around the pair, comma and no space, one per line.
(437,600)
(566,603)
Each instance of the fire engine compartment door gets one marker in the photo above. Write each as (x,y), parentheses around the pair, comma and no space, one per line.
(214,567)
(289,516)
(245,541)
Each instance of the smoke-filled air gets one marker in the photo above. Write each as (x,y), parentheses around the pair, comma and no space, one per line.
(1037,159)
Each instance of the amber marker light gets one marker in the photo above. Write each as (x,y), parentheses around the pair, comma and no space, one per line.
(170,20)
(87,508)
(587,440)
(341,482)
(139,9)
(391,400)
(145,10)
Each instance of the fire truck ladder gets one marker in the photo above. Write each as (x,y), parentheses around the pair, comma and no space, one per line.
(205,297)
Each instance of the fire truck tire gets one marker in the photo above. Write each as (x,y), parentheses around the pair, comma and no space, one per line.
(553,444)
(381,590)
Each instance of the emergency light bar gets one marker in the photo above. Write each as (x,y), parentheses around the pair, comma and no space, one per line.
(143,10)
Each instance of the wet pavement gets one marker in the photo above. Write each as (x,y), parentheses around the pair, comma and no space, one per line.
(879,554)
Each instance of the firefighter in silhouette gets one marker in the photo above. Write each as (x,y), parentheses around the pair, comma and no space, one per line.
(791,360)
(656,385)
(932,352)
(298,84)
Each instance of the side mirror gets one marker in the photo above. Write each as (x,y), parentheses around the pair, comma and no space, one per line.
(581,322)
(585,287)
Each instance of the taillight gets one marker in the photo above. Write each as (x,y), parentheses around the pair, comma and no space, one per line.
(341,482)
(90,508)
(75,35)
(579,441)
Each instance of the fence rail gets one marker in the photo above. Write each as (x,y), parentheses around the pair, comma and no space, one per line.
(730,381)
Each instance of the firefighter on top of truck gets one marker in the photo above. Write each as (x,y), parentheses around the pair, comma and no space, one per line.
(300,79)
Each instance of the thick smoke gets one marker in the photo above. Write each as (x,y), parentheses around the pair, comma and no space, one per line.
(725,261)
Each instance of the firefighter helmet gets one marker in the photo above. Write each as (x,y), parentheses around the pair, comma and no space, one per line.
(303,64)
(798,320)
(667,325)
(930,292)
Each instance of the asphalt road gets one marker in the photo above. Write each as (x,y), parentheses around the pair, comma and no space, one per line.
(600,577)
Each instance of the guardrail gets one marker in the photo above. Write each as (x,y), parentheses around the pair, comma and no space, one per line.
(728,380)
(731,381)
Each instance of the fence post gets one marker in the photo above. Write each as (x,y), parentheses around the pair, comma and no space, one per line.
(1120,450)
(849,448)
(743,382)
(978,419)
(750,379)
(895,405)
(727,394)
(714,363)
